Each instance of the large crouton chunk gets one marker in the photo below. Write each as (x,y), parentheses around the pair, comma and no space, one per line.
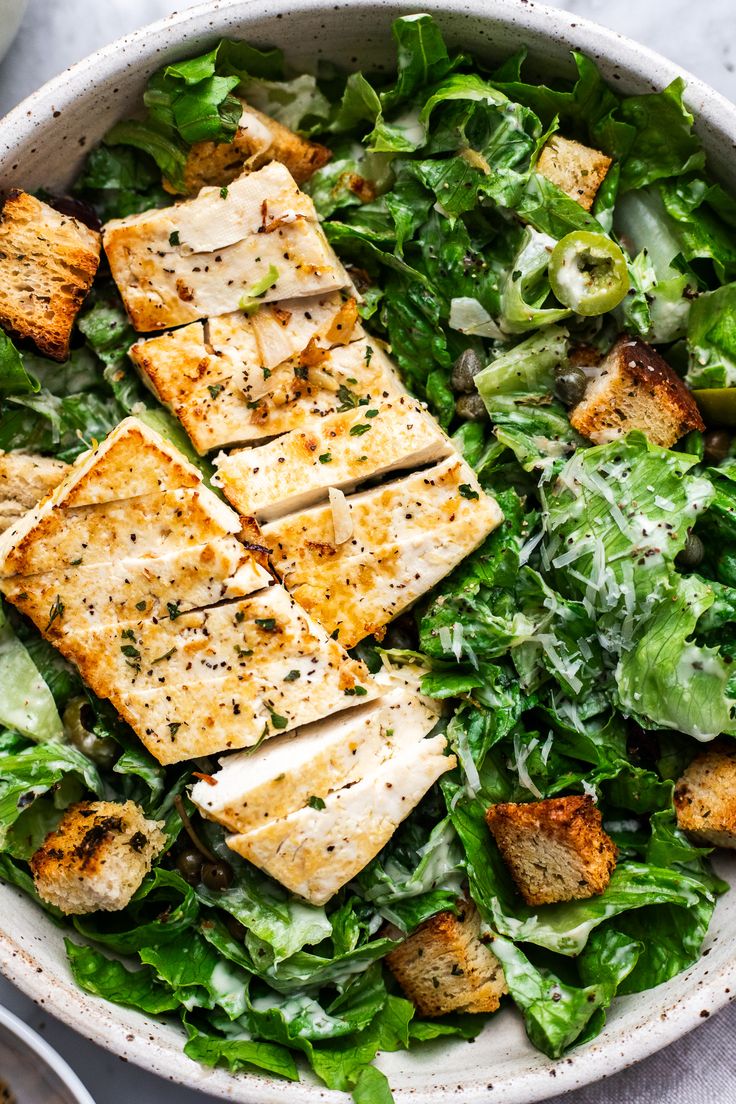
(705,797)
(97,857)
(258,140)
(47,264)
(555,849)
(444,967)
(576,169)
(635,388)
(24,480)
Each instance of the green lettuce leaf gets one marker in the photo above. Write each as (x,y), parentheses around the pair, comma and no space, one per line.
(26,701)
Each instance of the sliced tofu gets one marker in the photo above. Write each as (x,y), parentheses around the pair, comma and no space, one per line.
(133,461)
(47,264)
(219,678)
(273,781)
(124,498)
(124,590)
(342,450)
(287,329)
(260,237)
(237,379)
(406,536)
(152,525)
(258,140)
(24,480)
(314,852)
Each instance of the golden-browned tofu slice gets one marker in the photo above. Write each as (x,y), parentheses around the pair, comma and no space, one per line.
(124,498)
(314,852)
(47,264)
(24,480)
(106,593)
(258,140)
(259,239)
(221,377)
(252,788)
(219,678)
(149,525)
(577,169)
(395,543)
(133,460)
(342,451)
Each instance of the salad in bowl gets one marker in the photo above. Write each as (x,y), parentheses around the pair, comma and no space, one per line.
(368,601)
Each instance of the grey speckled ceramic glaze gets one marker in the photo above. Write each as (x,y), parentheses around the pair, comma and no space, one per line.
(42,142)
(31,1072)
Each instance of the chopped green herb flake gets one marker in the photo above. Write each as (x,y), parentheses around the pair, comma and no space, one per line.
(56,611)
(467,491)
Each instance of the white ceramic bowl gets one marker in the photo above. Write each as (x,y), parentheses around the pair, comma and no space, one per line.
(42,142)
(31,1070)
(11,14)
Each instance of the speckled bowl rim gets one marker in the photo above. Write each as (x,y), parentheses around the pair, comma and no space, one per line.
(681,1004)
(11,1025)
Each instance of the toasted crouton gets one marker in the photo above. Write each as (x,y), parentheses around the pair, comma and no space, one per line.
(47,264)
(97,857)
(577,169)
(635,388)
(24,481)
(258,140)
(443,966)
(705,797)
(555,849)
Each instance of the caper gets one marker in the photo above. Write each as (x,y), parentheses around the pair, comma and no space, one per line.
(570,384)
(693,552)
(716,443)
(79,722)
(464,370)
(235,928)
(189,865)
(471,408)
(217,875)
(402,633)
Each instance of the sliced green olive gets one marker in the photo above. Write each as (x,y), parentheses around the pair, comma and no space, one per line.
(588,273)
(79,722)
(717,405)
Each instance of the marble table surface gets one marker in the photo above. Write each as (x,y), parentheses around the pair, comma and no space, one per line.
(699,1069)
